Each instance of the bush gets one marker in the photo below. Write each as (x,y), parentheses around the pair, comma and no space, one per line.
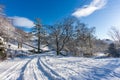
(113,51)
(3,55)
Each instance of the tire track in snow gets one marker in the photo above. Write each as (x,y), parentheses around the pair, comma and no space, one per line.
(71,71)
(32,71)
(8,72)
(37,71)
(51,74)
(13,72)
(23,69)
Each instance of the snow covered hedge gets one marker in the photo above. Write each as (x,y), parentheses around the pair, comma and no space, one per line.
(2,49)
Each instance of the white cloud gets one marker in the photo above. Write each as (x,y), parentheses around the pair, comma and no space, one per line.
(22,22)
(89,9)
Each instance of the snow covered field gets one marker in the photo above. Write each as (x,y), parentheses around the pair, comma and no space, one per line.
(51,67)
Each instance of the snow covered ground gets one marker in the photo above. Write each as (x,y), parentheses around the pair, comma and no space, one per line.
(50,67)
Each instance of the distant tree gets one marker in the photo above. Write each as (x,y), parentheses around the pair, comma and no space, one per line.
(84,37)
(100,45)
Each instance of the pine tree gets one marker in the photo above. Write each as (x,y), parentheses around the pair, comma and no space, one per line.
(37,31)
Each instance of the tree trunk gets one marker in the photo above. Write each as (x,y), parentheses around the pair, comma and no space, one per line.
(38,44)
(19,45)
(57,46)
(58,52)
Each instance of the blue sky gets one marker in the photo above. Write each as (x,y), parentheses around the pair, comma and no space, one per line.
(99,13)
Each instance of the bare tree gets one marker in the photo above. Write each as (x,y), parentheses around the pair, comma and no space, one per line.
(6,27)
(84,38)
(115,35)
(61,33)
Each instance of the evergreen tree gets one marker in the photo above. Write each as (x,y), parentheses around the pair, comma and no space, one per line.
(37,31)
(112,50)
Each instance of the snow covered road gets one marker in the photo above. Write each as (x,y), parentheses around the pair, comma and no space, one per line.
(51,67)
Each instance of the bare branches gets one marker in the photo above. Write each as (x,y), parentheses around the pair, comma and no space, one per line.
(115,35)
(61,33)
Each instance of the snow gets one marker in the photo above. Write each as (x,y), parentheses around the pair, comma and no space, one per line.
(107,41)
(44,48)
(100,54)
(48,66)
